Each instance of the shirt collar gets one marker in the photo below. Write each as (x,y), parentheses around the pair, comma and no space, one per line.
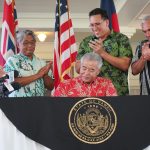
(27,58)
(111,34)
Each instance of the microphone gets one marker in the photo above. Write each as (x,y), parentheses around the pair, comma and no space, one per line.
(11,75)
(2,79)
(15,85)
(1,89)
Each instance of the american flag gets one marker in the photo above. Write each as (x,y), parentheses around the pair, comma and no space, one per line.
(65,49)
(9,26)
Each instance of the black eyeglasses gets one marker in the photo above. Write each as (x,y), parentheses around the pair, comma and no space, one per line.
(98,24)
(29,43)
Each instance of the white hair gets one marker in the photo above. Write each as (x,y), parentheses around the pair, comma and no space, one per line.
(92,57)
(146,18)
(21,34)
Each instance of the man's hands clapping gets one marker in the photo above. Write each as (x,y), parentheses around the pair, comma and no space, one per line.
(97,46)
(146,51)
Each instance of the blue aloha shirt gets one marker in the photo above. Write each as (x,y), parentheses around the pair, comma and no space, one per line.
(27,67)
(118,45)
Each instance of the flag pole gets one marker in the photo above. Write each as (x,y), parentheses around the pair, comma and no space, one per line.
(71,70)
(59,32)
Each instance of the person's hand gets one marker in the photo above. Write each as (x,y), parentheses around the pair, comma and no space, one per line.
(2,72)
(146,51)
(97,46)
(44,70)
(50,64)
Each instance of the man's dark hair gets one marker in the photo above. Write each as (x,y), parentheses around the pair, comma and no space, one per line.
(99,11)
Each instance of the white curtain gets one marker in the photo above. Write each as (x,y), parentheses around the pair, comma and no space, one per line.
(12,139)
(148,148)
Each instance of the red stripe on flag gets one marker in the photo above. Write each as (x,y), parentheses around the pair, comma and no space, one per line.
(73,56)
(67,63)
(2,61)
(5,42)
(67,43)
(56,73)
(66,76)
(65,26)
(9,16)
(115,24)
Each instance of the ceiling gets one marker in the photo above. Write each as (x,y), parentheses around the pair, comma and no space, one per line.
(40,15)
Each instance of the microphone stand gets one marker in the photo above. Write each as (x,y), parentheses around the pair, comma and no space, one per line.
(2,94)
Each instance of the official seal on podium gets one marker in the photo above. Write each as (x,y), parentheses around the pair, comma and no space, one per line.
(92,120)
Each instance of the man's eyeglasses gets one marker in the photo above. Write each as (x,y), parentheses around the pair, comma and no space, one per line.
(29,43)
(98,24)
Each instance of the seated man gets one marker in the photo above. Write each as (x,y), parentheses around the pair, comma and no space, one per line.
(87,83)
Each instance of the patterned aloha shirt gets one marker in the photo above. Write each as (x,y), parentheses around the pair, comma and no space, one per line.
(145,73)
(27,67)
(77,88)
(116,44)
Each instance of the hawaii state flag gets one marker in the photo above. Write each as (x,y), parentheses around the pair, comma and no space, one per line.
(65,49)
(109,6)
(8,40)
